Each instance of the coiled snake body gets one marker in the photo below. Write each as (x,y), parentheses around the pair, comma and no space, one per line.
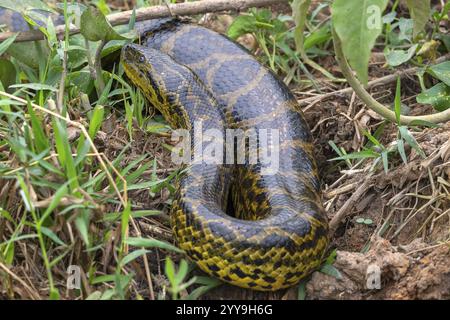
(278,234)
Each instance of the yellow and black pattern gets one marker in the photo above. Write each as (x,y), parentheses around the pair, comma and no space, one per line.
(278,232)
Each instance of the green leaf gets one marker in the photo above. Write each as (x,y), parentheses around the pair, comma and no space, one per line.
(442,72)
(358,23)
(132,256)
(299,14)
(35,86)
(96,295)
(405,134)
(24,5)
(65,153)
(331,271)
(242,25)
(152,243)
(384,157)
(301,294)
(135,214)
(49,233)
(5,44)
(96,120)
(7,73)
(398,101)
(61,192)
(358,155)
(82,224)
(401,150)
(40,138)
(395,58)
(438,96)
(95,26)
(420,11)
(54,294)
(182,272)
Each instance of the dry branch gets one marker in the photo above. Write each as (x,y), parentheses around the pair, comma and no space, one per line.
(181,9)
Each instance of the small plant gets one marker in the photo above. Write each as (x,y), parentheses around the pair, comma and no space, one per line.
(375,150)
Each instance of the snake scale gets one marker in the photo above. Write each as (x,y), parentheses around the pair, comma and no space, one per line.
(263,232)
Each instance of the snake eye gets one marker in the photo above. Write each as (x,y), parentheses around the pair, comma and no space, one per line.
(141,59)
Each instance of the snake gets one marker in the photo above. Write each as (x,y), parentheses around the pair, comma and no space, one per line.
(245,227)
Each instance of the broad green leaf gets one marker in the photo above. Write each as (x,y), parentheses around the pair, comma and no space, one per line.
(95,26)
(401,150)
(395,58)
(299,13)
(30,53)
(358,23)
(420,11)
(442,72)
(438,96)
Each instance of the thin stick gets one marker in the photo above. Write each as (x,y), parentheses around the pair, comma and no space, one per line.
(181,9)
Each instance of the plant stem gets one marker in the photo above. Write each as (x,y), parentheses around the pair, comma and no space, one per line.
(374,104)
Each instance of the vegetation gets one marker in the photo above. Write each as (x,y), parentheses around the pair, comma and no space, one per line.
(79,184)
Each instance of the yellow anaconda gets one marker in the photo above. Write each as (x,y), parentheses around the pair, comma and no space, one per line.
(278,232)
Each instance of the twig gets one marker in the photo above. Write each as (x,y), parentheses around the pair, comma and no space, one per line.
(344,211)
(377,82)
(371,102)
(182,9)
